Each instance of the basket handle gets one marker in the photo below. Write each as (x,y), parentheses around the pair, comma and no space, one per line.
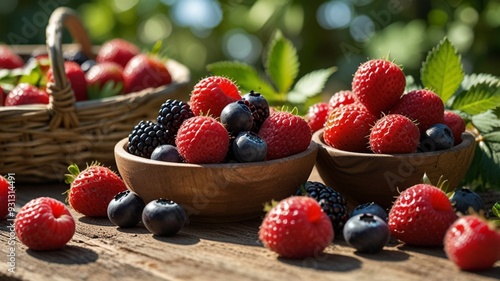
(62,103)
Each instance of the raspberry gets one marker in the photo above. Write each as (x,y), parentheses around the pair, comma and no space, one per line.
(317,115)
(44,224)
(456,124)
(210,95)
(341,98)
(394,133)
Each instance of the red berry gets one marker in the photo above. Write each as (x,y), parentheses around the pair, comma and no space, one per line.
(9,59)
(143,72)
(101,74)
(44,224)
(421,215)
(76,77)
(118,51)
(4,197)
(472,244)
(422,106)
(378,85)
(285,134)
(92,189)
(25,93)
(393,134)
(455,123)
(202,140)
(211,94)
(341,98)
(316,116)
(296,228)
(348,127)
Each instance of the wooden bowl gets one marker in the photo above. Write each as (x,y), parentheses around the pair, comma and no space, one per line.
(216,192)
(365,177)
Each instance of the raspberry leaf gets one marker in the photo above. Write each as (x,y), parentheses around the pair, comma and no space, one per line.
(486,122)
(479,78)
(477,99)
(310,85)
(442,70)
(496,209)
(282,63)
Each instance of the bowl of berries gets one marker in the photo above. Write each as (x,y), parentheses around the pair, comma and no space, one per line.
(379,140)
(219,167)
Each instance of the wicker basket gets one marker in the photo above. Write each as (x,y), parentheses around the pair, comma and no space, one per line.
(38,142)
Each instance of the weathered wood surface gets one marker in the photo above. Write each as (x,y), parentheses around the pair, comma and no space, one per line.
(229,251)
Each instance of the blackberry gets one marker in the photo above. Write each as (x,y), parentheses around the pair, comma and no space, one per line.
(171,115)
(259,107)
(145,137)
(332,202)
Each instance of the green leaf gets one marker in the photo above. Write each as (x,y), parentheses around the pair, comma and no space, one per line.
(477,99)
(442,70)
(282,63)
(310,85)
(496,209)
(480,78)
(486,122)
(245,76)
(492,137)
(489,167)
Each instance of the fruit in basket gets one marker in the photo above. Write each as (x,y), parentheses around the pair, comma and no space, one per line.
(260,108)
(9,59)
(370,208)
(171,115)
(202,140)
(424,107)
(456,124)
(4,197)
(285,134)
(296,227)
(463,199)
(393,134)
(92,189)
(248,147)
(145,71)
(166,153)
(421,215)
(117,50)
(164,217)
(145,137)
(317,115)
(341,98)
(104,80)
(236,117)
(76,77)
(378,84)
(44,223)
(367,233)
(211,94)
(347,128)
(25,93)
(75,56)
(332,202)
(436,137)
(125,209)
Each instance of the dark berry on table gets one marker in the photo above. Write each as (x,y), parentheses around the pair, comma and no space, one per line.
(463,199)
(332,202)
(87,65)
(145,137)
(249,147)
(259,108)
(236,117)
(166,153)
(437,137)
(125,210)
(163,217)
(371,208)
(76,56)
(171,115)
(366,233)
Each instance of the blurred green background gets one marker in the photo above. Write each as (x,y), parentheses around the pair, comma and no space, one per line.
(340,33)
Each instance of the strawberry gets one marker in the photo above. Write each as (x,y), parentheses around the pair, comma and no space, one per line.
(339,99)
(117,50)
(92,189)
(378,85)
(422,106)
(393,134)
(44,223)
(472,244)
(348,127)
(105,80)
(455,123)
(285,134)
(9,59)
(316,115)
(202,140)
(145,71)
(211,94)
(421,215)
(76,78)
(25,93)
(5,187)
(296,227)
(2,97)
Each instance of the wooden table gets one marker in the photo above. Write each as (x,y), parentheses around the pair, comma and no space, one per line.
(229,251)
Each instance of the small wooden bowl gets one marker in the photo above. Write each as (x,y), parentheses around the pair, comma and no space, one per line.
(379,178)
(216,192)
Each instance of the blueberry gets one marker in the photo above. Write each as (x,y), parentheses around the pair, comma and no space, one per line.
(236,117)
(76,56)
(125,209)
(249,147)
(366,233)
(163,217)
(372,208)
(166,153)
(463,199)
(87,65)
(437,137)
